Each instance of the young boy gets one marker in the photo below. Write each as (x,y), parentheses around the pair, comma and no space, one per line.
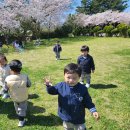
(4,72)
(73,98)
(57,49)
(17,84)
(86,62)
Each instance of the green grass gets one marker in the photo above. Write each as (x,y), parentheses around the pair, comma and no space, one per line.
(110,89)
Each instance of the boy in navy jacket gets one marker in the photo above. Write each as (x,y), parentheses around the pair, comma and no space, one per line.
(86,62)
(57,49)
(73,98)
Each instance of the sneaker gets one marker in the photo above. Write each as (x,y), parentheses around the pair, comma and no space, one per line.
(82,82)
(21,123)
(87,85)
(57,58)
(6,95)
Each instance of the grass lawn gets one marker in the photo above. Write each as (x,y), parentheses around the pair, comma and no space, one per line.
(110,88)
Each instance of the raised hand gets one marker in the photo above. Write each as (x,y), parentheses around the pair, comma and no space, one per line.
(47,81)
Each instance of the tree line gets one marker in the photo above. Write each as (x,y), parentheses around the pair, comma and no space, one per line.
(44,19)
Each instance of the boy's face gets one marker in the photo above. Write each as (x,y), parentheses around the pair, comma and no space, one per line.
(71,79)
(84,53)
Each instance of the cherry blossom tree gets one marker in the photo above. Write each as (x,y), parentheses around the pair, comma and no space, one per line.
(40,10)
(47,13)
(107,17)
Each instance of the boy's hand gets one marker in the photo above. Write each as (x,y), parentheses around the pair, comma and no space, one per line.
(96,115)
(47,81)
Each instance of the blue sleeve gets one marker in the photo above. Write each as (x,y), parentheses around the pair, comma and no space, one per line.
(78,61)
(88,101)
(92,64)
(53,90)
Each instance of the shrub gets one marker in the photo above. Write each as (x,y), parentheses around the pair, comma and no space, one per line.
(96,30)
(115,31)
(107,29)
(77,31)
(122,29)
(128,31)
(70,35)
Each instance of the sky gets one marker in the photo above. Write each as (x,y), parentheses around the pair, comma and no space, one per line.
(78,2)
(128,9)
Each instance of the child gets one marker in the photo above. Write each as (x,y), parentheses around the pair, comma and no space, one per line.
(73,98)
(86,62)
(57,49)
(17,46)
(17,84)
(4,72)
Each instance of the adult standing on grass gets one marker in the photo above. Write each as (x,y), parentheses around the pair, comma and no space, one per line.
(86,62)
(73,98)
(57,49)
(17,84)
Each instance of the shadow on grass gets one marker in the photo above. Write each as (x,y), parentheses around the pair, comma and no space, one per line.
(33,96)
(35,109)
(32,119)
(41,120)
(8,108)
(65,58)
(103,86)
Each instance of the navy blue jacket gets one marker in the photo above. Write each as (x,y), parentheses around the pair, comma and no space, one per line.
(86,63)
(57,48)
(72,102)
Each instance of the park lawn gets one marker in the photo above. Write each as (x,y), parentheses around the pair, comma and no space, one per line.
(109,89)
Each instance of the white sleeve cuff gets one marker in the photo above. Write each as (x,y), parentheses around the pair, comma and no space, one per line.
(92,110)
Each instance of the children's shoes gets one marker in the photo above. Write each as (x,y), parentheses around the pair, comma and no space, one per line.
(21,123)
(6,95)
